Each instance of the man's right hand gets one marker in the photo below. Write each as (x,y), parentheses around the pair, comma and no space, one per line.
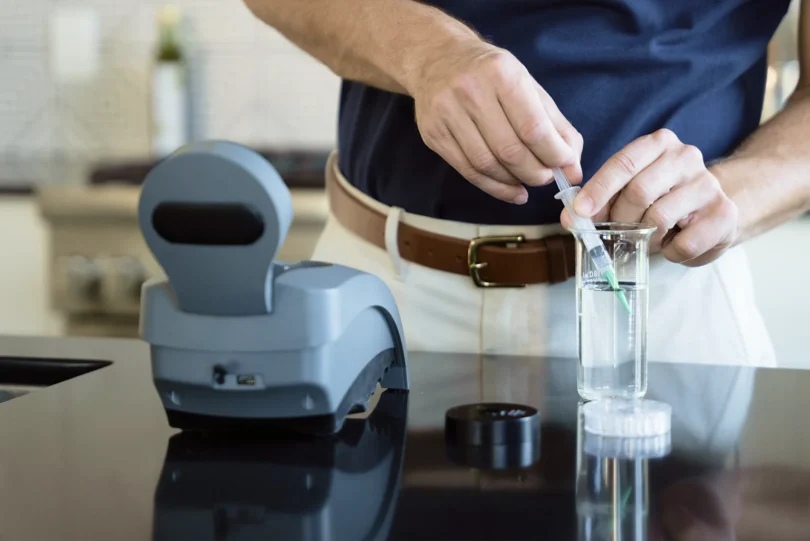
(479,108)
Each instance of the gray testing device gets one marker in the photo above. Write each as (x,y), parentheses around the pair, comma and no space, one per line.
(237,338)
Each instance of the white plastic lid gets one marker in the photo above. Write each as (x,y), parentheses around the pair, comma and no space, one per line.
(623,418)
(627,448)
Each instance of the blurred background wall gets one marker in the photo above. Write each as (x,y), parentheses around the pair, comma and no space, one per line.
(76,75)
(76,84)
(75,103)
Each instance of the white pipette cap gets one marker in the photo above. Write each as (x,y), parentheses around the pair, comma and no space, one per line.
(623,418)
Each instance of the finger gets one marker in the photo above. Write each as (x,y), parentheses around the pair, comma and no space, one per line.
(509,150)
(448,148)
(565,219)
(531,123)
(567,131)
(650,185)
(620,169)
(706,258)
(478,153)
(574,171)
(712,229)
(603,215)
(676,207)
(503,143)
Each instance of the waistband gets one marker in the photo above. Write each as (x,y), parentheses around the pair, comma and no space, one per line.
(491,255)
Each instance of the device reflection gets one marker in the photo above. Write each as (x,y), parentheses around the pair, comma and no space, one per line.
(285,486)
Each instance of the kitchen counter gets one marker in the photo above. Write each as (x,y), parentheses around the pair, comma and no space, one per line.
(92,457)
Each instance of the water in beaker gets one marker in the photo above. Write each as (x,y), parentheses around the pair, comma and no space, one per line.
(612,341)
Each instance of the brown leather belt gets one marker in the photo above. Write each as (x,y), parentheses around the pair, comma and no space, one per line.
(493,261)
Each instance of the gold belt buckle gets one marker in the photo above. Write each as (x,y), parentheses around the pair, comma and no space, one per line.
(474,266)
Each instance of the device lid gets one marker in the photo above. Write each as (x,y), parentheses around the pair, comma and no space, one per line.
(627,418)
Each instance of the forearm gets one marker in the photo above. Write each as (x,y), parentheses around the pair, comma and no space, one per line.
(382,43)
(768,177)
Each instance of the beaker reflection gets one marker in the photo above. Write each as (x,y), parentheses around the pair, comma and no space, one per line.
(612,484)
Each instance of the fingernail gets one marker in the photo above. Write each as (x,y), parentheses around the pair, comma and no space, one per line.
(583,205)
(522,198)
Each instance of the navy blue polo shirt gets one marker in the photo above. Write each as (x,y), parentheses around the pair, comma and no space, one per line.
(617,69)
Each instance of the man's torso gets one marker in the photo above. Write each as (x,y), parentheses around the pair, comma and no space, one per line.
(617,69)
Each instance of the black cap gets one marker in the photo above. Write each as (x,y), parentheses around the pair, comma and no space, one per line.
(491,424)
(493,435)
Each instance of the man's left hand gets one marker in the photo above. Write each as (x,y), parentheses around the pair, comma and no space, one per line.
(659,180)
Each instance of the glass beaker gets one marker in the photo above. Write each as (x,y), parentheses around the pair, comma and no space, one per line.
(612,321)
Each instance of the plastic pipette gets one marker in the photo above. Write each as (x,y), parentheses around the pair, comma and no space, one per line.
(593,244)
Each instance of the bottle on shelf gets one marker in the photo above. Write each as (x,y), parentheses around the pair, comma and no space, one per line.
(169,88)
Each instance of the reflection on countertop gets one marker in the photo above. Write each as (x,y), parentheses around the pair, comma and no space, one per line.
(99,463)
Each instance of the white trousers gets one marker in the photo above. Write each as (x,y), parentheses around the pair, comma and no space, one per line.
(703,315)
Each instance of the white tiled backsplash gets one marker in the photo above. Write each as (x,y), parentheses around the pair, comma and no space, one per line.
(248,83)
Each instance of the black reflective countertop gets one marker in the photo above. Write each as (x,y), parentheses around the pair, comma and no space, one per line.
(86,454)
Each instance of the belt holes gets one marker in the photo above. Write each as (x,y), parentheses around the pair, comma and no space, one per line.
(407,244)
(458,258)
(430,253)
